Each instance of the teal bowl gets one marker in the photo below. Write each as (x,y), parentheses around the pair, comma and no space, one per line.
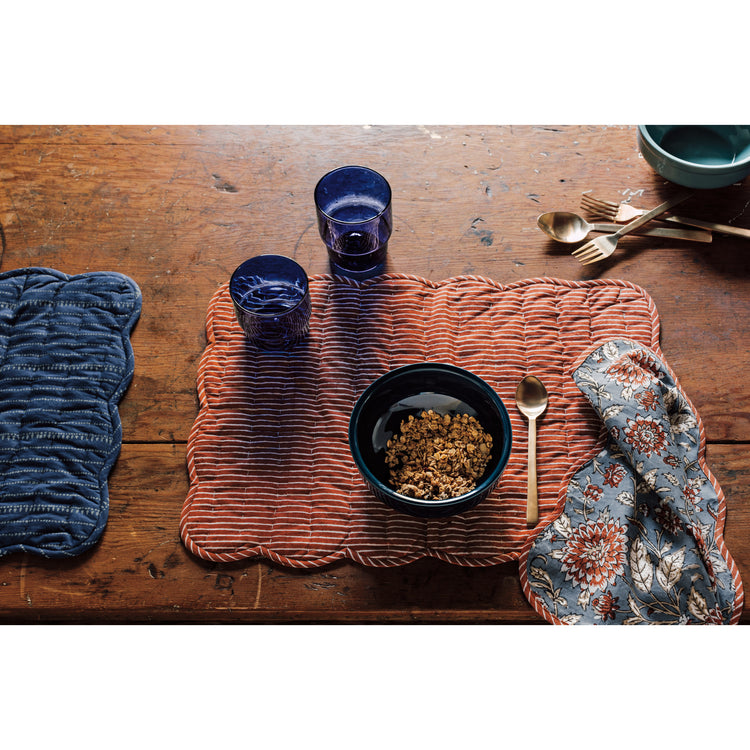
(697,156)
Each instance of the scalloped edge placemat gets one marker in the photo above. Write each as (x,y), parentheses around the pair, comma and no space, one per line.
(65,363)
(268,457)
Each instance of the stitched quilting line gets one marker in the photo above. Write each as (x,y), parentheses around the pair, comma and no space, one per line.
(402,284)
(116,307)
(206,394)
(95,457)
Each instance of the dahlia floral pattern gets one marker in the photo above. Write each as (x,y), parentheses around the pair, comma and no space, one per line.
(638,540)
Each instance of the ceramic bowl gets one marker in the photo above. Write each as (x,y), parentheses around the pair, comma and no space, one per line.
(697,156)
(412,389)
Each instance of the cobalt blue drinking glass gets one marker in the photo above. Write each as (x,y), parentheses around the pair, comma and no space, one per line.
(271,299)
(353,206)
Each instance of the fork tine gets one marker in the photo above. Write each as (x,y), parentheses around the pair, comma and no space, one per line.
(589,261)
(590,252)
(592,204)
(584,250)
(595,204)
(588,198)
(592,256)
(588,202)
(599,215)
(599,201)
(597,212)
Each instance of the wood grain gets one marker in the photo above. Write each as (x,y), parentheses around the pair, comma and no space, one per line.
(178,208)
(141,572)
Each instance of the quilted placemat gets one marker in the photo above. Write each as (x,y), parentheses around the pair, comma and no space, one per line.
(637,537)
(65,362)
(268,457)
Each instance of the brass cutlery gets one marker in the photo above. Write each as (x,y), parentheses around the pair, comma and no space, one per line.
(532,400)
(623,212)
(569,227)
(603,246)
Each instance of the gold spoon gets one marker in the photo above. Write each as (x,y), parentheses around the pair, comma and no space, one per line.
(532,400)
(568,227)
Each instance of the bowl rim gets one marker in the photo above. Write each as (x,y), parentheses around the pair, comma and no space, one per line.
(694,166)
(488,482)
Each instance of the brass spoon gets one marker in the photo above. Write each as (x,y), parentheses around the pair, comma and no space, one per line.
(568,227)
(532,400)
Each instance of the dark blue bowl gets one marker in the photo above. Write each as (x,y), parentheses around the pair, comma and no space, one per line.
(407,390)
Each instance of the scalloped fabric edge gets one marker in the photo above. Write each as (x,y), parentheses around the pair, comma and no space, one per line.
(66,361)
(637,534)
(199,512)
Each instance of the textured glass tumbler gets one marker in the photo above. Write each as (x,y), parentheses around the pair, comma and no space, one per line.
(271,299)
(353,206)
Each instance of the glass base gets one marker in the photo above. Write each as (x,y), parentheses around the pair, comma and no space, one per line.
(357,275)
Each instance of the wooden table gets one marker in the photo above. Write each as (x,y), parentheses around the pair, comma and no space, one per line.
(178,208)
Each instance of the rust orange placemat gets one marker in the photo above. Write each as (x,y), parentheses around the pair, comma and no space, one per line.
(268,457)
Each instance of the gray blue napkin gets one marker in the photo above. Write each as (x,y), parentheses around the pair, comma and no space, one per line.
(638,537)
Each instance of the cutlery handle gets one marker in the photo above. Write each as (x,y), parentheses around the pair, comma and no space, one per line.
(532,499)
(722,228)
(653,213)
(696,235)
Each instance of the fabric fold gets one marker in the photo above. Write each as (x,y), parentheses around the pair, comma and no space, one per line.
(638,538)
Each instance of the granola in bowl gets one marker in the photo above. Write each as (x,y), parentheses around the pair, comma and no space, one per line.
(437,456)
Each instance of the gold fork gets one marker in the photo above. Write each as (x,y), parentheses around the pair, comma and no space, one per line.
(602,247)
(611,211)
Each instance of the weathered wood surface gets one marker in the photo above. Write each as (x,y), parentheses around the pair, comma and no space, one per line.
(178,208)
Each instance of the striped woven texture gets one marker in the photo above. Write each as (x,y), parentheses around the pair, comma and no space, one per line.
(268,457)
(65,362)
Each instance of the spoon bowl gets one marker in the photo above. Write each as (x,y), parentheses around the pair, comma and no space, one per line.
(532,400)
(564,226)
(531,397)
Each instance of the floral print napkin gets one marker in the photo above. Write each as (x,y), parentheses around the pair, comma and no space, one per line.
(638,536)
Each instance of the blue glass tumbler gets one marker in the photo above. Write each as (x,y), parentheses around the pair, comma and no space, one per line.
(353,206)
(271,299)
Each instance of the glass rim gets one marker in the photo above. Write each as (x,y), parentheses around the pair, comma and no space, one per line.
(362,221)
(286,258)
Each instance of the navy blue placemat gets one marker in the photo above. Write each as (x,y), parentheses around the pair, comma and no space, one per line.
(65,363)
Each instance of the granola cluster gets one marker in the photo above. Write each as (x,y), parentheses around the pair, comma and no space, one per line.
(436,456)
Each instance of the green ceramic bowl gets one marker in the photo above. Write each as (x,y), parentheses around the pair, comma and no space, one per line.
(697,156)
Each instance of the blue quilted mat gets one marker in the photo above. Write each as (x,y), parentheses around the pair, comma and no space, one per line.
(65,363)
(638,536)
